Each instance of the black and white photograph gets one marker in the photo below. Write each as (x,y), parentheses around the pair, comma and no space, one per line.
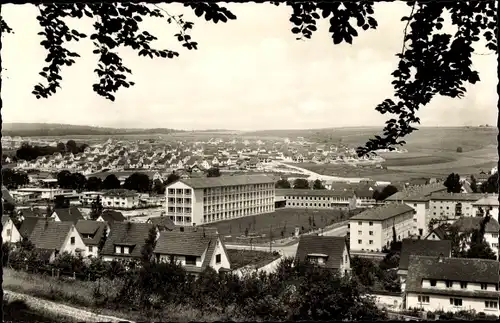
(250,161)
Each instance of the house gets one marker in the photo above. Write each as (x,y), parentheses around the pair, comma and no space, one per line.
(414,247)
(452,284)
(466,224)
(91,232)
(125,241)
(163,222)
(10,233)
(110,217)
(194,249)
(57,237)
(6,197)
(120,198)
(452,205)
(327,252)
(438,233)
(372,230)
(71,214)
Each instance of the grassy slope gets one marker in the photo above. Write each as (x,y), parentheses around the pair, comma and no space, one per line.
(241,258)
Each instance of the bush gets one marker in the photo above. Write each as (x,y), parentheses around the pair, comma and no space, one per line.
(459,149)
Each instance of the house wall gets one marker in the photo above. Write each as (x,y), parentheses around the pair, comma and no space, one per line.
(219,250)
(446,208)
(91,253)
(419,218)
(10,232)
(79,244)
(319,202)
(181,260)
(127,202)
(345,264)
(491,239)
(394,302)
(442,302)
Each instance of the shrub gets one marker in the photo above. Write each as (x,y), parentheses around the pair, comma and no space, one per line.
(459,149)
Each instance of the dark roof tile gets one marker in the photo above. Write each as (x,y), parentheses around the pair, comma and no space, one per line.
(127,233)
(413,247)
(50,234)
(333,247)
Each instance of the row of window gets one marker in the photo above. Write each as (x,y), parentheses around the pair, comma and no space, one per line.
(234,206)
(239,188)
(239,196)
(458,302)
(317,198)
(237,213)
(179,209)
(463,285)
(179,200)
(179,191)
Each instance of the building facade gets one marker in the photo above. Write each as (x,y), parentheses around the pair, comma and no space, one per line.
(487,205)
(205,200)
(372,229)
(452,205)
(318,199)
(120,199)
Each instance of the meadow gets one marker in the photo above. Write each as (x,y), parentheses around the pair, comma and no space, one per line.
(257,258)
(279,224)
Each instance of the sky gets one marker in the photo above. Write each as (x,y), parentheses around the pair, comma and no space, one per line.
(248,74)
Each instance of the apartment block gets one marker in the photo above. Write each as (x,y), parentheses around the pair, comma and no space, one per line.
(372,229)
(195,201)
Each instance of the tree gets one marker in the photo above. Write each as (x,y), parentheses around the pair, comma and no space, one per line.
(491,185)
(173,177)
(453,184)
(149,246)
(96,208)
(71,147)
(61,147)
(78,181)
(424,47)
(61,202)
(300,183)
(94,184)
(385,193)
(318,185)
(158,187)
(64,179)
(104,237)
(138,182)
(13,179)
(459,149)
(111,182)
(473,184)
(283,183)
(213,172)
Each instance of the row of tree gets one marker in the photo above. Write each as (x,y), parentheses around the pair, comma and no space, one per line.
(139,182)
(292,293)
(29,152)
(453,184)
(13,179)
(299,183)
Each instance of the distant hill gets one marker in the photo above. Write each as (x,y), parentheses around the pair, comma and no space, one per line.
(55,129)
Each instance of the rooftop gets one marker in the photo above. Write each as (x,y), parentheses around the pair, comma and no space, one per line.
(384,212)
(417,247)
(238,180)
(308,192)
(445,196)
(332,247)
(470,223)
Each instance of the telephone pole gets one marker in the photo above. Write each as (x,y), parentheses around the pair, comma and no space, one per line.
(271,238)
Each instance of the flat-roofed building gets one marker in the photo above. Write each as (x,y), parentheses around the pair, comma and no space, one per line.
(318,199)
(372,230)
(195,201)
(451,206)
(120,199)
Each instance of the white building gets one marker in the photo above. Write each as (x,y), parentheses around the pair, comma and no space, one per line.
(120,199)
(43,193)
(372,229)
(452,205)
(318,199)
(86,198)
(204,200)
(453,284)
(10,233)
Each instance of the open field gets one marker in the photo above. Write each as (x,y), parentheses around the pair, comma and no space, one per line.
(416,160)
(282,220)
(242,258)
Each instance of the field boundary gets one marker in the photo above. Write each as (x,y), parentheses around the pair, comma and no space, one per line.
(40,304)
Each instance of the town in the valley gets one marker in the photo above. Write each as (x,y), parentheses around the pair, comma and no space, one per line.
(422,247)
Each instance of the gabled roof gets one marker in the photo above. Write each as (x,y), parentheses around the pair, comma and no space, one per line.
(452,269)
(470,223)
(333,247)
(71,214)
(36,212)
(490,200)
(50,234)
(163,221)
(471,197)
(414,247)
(28,225)
(89,227)
(112,216)
(221,181)
(5,218)
(417,193)
(384,212)
(439,232)
(132,234)
(183,243)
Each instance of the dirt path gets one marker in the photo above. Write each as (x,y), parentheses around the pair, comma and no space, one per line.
(75,314)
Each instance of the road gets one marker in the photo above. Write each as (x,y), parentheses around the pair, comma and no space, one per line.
(322,177)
